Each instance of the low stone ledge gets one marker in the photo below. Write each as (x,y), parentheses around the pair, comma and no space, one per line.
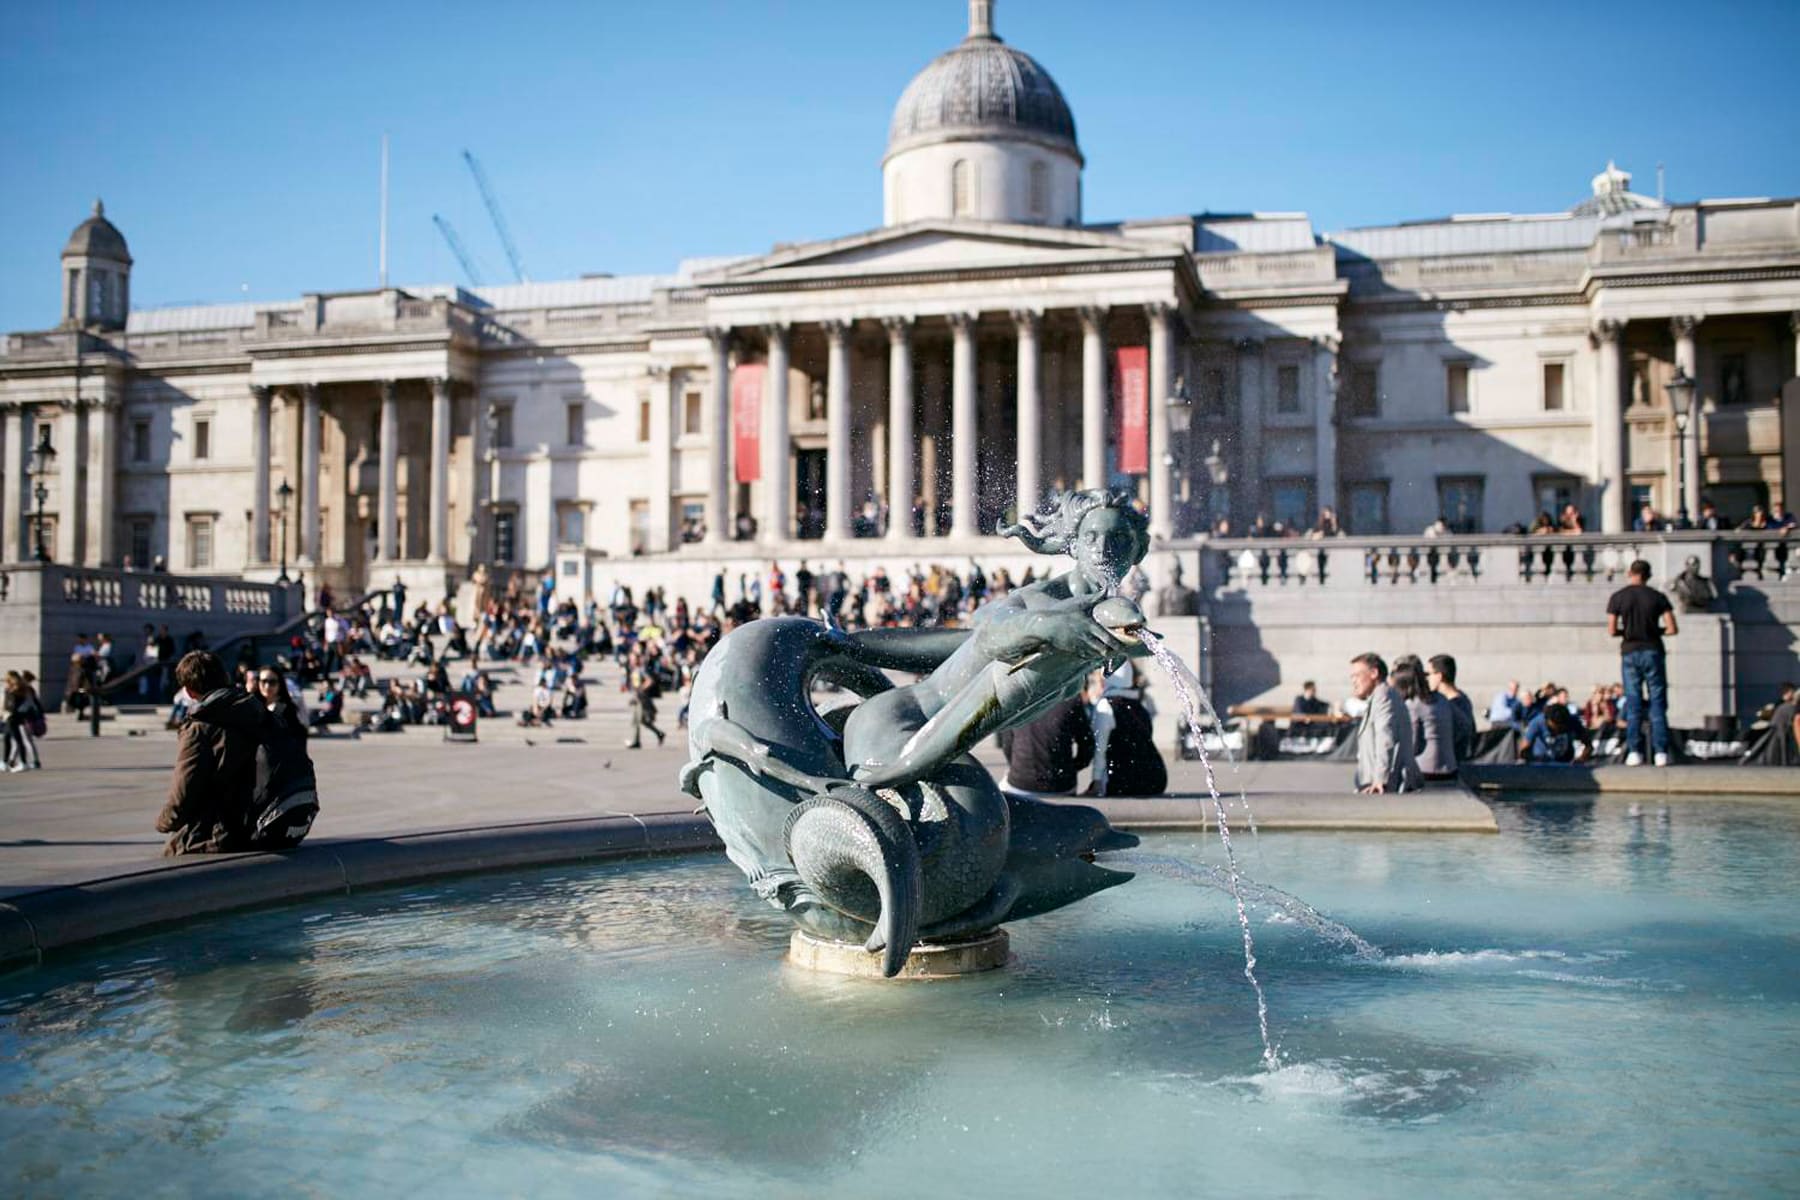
(1434,810)
(1510,781)
(166,891)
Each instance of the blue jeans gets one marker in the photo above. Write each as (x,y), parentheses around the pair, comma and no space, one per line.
(1644,671)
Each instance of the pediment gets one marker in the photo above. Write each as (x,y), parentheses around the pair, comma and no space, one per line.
(942,246)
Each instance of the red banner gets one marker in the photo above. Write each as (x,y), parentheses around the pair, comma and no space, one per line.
(1131,408)
(746,420)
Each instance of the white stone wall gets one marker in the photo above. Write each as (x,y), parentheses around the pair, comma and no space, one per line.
(917,184)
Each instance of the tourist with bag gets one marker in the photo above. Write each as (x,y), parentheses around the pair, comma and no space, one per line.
(24,723)
(286,797)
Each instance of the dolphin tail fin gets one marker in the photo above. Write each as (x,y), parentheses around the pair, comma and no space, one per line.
(857,855)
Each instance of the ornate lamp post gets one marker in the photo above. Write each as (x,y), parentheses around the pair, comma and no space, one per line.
(43,456)
(1681,399)
(283,494)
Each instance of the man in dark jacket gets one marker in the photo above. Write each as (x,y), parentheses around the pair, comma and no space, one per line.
(215,763)
(1044,756)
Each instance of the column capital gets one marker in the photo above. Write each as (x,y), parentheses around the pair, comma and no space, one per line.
(719,336)
(1158,310)
(262,393)
(777,332)
(1093,317)
(1328,342)
(1684,325)
(962,322)
(1794,321)
(1249,346)
(836,328)
(1028,320)
(898,328)
(441,385)
(389,387)
(1608,330)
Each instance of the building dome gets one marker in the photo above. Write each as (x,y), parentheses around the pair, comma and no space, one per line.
(982,87)
(97,237)
(983,132)
(1613,195)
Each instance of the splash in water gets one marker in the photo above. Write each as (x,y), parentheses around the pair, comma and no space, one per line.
(1179,680)
(1286,903)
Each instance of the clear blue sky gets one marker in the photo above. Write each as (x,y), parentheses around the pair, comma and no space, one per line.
(236,145)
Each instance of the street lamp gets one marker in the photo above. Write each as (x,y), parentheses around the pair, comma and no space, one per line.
(472,528)
(283,494)
(43,455)
(1681,399)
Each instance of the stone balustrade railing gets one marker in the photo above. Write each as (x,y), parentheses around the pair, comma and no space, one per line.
(104,591)
(1490,560)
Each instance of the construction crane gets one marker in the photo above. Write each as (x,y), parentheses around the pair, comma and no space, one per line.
(457,248)
(493,207)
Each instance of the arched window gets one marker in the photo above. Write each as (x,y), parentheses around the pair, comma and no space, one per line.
(1040,189)
(962,200)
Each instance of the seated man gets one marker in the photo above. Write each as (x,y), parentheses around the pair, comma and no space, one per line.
(1554,736)
(1308,703)
(1384,740)
(215,762)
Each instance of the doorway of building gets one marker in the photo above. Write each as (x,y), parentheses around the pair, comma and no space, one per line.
(809,493)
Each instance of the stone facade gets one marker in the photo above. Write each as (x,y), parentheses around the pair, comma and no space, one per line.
(1481,368)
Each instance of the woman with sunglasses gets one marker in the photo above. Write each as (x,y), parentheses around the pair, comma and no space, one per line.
(287,796)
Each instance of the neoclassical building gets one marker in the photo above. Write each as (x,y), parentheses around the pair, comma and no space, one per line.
(897,392)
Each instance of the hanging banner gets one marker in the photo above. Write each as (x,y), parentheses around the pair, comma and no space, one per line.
(1131,408)
(746,420)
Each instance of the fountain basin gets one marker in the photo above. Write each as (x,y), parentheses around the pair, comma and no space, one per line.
(1597,1000)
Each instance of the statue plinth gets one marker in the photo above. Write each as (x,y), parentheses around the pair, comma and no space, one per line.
(928,960)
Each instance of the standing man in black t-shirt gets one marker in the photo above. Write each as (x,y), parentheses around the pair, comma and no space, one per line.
(1640,616)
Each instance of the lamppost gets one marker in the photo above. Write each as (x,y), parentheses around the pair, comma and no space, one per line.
(283,494)
(472,528)
(1180,410)
(1681,399)
(43,455)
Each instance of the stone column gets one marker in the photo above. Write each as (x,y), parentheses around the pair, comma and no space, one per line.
(15,546)
(1093,397)
(964,425)
(1162,382)
(1794,327)
(387,545)
(931,442)
(778,489)
(309,475)
(440,470)
(1686,362)
(102,483)
(1250,431)
(1609,427)
(259,473)
(900,489)
(718,499)
(68,462)
(1029,489)
(1325,476)
(837,430)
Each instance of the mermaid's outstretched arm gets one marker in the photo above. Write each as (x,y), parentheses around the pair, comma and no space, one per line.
(972,713)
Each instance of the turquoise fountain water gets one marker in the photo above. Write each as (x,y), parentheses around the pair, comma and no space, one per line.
(1600,1000)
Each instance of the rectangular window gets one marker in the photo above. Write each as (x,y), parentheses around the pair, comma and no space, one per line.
(643,430)
(1290,503)
(1643,495)
(693,520)
(1555,399)
(1734,380)
(691,417)
(1555,493)
(1456,388)
(1363,391)
(139,530)
(1212,392)
(140,441)
(1368,507)
(571,525)
(44,430)
(506,541)
(503,430)
(577,425)
(199,543)
(1459,502)
(1287,389)
(640,526)
(202,438)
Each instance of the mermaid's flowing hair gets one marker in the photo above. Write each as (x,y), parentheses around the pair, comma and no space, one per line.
(1051,530)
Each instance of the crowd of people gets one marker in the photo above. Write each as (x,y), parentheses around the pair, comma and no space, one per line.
(1772,518)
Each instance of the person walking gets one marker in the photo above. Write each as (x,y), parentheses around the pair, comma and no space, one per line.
(1640,617)
(24,722)
(644,689)
(1384,740)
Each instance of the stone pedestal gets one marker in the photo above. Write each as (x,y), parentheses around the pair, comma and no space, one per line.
(936,960)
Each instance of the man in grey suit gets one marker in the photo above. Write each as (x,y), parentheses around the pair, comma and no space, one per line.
(1384,740)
